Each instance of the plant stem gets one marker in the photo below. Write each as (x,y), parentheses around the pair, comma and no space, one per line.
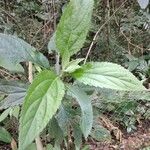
(38,142)
(57,66)
(30,75)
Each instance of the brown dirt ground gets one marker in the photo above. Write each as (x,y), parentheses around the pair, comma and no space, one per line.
(135,141)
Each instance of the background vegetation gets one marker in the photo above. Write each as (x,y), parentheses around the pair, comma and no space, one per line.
(120,33)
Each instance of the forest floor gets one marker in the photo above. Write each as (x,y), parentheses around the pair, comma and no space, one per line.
(121,140)
(124,141)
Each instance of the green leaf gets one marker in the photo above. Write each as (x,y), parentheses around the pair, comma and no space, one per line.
(15,92)
(86,108)
(32,147)
(143,3)
(73,27)
(107,75)
(9,87)
(12,67)
(5,135)
(64,118)
(41,103)
(5,114)
(16,112)
(73,65)
(14,50)
(55,131)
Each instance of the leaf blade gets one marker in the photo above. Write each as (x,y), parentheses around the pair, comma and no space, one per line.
(5,135)
(15,50)
(86,108)
(107,75)
(4,114)
(73,65)
(41,103)
(15,92)
(73,27)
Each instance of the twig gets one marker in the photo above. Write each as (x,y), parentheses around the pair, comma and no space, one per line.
(94,39)
(9,15)
(30,75)
(5,72)
(128,39)
(90,48)
(39,30)
(38,142)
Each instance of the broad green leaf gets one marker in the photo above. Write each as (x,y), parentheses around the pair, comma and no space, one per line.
(86,108)
(41,103)
(143,3)
(73,27)
(5,135)
(32,147)
(64,118)
(73,65)
(9,87)
(55,131)
(12,67)
(11,100)
(108,75)
(14,50)
(5,114)
(15,92)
